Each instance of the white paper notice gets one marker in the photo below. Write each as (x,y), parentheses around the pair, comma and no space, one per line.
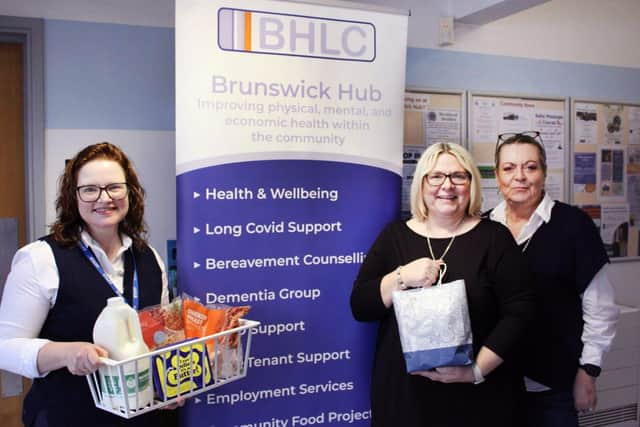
(613,124)
(442,125)
(490,194)
(516,116)
(554,185)
(485,121)
(613,216)
(585,124)
(410,158)
(634,125)
(550,124)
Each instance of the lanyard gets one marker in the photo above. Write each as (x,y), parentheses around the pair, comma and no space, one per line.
(91,257)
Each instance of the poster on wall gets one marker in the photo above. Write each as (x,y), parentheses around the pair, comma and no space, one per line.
(634,125)
(485,125)
(612,173)
(614,229)
(551,126)
(613,127)
(410,158)
(442,125)
(289,121)
(586,117)
(584,172)
(606,170)
(515,116)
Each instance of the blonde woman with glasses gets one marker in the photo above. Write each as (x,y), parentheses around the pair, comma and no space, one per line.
(446,228)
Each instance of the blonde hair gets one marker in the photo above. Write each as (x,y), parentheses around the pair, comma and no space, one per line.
(427,163)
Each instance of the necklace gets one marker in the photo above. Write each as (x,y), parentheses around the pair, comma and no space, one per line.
(443,267)
(445,250)
(448,246)
(526,243)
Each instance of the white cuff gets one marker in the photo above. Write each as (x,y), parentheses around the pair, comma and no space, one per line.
(29,357)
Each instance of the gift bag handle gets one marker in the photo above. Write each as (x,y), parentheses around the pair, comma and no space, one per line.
(441,272)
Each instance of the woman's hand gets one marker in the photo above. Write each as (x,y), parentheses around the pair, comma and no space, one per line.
(83,358)
(422,272)
(178,404)
(486,361)
(80,358)
(449,374)
(584,392)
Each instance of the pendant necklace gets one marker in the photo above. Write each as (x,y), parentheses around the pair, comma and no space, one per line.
(443,270)
(526,242)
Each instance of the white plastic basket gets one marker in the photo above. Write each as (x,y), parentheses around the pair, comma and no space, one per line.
(132,387)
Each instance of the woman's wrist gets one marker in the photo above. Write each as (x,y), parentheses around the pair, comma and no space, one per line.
(478,377)
(400,283)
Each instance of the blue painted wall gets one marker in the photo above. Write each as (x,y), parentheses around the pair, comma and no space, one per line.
(113,76)
(434,68)
(109,76)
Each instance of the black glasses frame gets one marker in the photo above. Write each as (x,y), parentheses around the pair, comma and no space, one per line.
(450,176)
(509,137)
(104,188)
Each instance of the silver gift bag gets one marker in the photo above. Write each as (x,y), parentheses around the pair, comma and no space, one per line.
(434,326)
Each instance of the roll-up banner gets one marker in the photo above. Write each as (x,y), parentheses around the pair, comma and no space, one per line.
(288,151)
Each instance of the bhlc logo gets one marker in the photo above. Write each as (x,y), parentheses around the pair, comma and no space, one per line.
(252,31)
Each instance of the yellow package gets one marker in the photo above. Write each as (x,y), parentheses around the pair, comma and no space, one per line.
(181,370)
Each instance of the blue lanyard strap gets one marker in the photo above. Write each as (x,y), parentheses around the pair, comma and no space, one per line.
(91,257)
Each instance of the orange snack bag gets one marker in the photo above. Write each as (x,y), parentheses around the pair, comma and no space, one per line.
(200,321)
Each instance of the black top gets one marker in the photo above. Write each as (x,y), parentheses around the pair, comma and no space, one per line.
(498,285)
(61,399)
(565,254)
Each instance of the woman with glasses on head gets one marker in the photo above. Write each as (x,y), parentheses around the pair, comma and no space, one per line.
(59,284)
(446,228)
(576,317)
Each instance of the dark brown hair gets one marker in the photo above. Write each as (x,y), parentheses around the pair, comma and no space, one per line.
(66,229)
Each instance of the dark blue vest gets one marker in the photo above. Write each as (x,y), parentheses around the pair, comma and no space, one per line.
(64,400)
(565,254)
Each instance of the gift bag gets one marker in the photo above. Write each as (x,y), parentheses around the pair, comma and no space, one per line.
(434,326)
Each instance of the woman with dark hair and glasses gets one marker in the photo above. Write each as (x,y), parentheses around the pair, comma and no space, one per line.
(59,284)
(576,317)
(446,228)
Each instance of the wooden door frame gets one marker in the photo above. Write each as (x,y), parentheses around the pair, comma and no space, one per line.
(29,32)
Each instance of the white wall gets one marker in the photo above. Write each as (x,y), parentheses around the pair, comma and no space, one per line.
(583,31)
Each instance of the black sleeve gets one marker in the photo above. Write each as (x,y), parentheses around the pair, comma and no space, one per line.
(366,302)
(513,286)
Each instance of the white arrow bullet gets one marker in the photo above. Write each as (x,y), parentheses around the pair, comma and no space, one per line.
(196,230)
(196,195)
(198,400)
(196,265)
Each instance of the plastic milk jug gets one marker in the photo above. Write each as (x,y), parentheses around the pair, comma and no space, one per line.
(117,330)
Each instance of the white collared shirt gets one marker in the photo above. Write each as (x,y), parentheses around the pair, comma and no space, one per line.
(599,311)
(30,292)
